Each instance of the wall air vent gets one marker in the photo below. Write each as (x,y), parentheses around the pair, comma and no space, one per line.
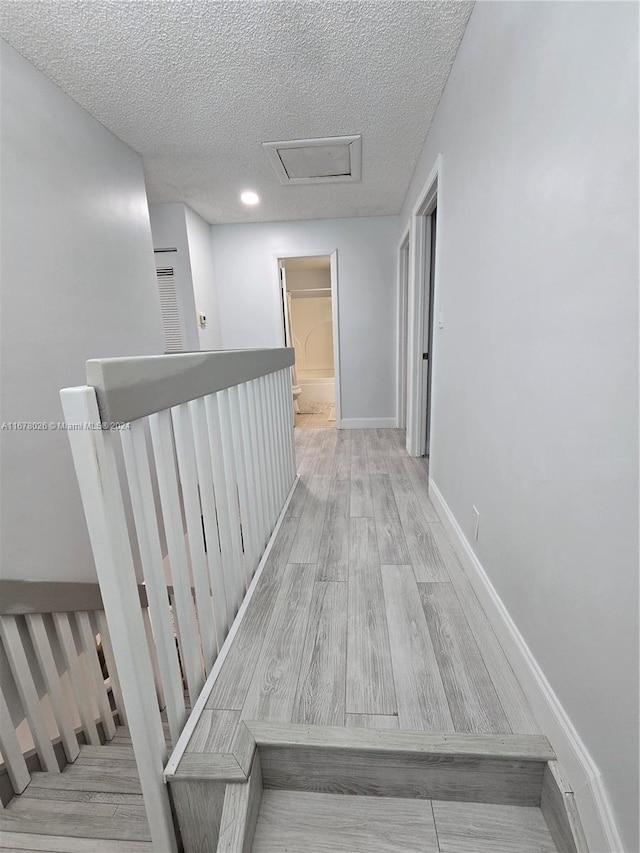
(335,159)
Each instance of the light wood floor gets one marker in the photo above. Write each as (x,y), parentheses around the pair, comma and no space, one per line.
(301,822)
(363,616)
(316,416)
(94,806)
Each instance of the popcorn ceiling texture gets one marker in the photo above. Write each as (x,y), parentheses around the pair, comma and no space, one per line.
(196,87)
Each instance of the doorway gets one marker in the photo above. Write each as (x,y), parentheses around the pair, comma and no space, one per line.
(307,289)
(429,279)
(423,290)
(403,318)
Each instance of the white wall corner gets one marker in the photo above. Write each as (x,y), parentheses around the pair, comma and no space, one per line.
(577,764)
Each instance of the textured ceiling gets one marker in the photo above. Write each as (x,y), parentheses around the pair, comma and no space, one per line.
(196,86)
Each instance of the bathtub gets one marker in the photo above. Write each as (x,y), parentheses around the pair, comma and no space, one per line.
(315,388)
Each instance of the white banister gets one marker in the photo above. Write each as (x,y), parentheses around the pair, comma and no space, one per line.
(248,417)
(11,751)
(209,520)
(77,674)
(59,704)
(88,643)
(96,470)
(208,455)
(265,456)
(27,691)
(185,451)
(227,507)
(232,492)
(100,627)
(142,502)
(163,452)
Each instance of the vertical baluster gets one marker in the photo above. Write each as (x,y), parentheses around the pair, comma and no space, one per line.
(51,678)
(289,418)
(233,488)
(11,750)
(226,501)
(271,447)
(262,421)
(277,444)
(209,516)
(169,687)
(282,430)
(88,642)
(152,645)
(27,692)
(245,487)
(230,564)
(100,627)
(191,498)
(96,469)
(245,392)
(161,437)
(255,414)
(77,675)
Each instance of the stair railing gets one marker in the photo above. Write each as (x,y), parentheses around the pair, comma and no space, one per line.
(184,463)
(51,636)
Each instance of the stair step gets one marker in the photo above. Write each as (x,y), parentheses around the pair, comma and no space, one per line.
(299,821)
(40,820)
(30,843)
(114,752)
(118,798)
(20,805)
(75,778)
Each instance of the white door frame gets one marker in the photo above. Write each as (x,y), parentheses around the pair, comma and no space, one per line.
(332,254)
(420,253)
(404,247)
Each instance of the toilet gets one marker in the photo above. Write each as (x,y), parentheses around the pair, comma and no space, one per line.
(296,390)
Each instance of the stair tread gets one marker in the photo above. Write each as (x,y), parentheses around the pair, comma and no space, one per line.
(48,843)
(19,805)
(33,792)
(324,823)
(113,752)
(74,822)
(108,778)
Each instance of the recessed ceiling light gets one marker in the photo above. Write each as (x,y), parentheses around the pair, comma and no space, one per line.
(249,197)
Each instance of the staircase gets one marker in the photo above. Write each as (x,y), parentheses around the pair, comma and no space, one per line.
(94,804)
(310,791)
(349,694)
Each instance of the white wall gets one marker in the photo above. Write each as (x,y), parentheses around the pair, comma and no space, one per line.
(77,282)
(176,226)
(536,382)
(246,275)
(169,230)
(202,279)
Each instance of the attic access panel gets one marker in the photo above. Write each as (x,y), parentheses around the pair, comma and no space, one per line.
(334,159)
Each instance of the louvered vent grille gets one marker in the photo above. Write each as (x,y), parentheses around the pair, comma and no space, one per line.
(169,310)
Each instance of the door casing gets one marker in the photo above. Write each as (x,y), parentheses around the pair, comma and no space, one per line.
(332,254)
(419,271)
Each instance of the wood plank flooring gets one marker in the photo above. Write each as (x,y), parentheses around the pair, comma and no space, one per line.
(363,616)
(301,822)
(95,804)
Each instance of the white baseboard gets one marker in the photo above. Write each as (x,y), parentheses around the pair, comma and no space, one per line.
(577,764)
(368,423)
